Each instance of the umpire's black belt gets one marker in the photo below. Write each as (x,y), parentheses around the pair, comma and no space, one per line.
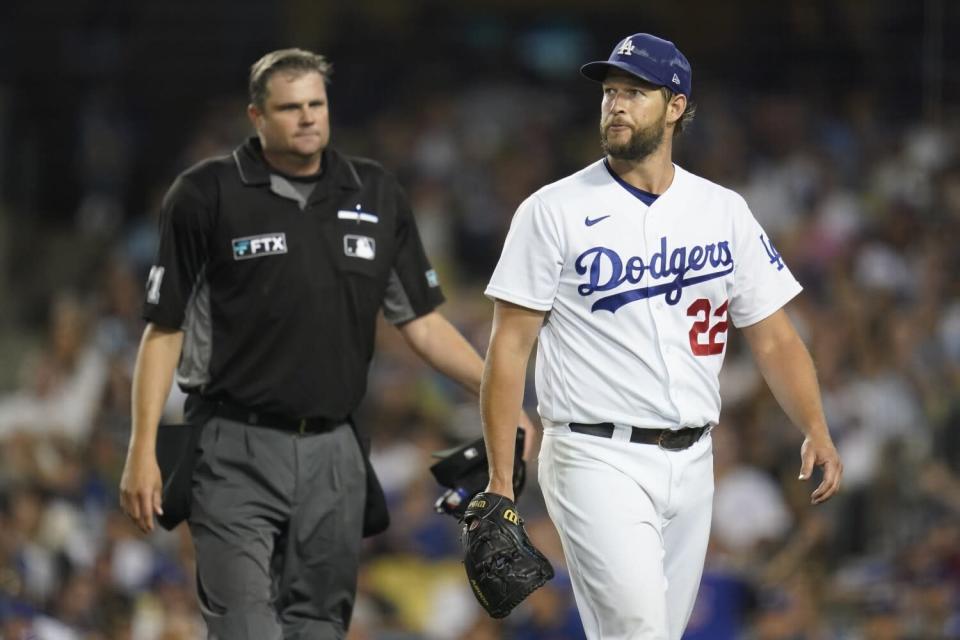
(670,439)
(275,421)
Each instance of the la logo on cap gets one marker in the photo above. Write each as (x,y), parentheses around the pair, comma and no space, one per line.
(626,49)
(676,79)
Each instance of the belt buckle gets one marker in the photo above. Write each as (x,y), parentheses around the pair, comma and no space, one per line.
(668,434)
(303,426)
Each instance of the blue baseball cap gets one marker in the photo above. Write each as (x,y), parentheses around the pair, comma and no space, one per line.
(649,58)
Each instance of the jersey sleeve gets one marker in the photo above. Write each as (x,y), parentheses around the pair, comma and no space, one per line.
(528,273)
(413,289)
(185,223)
(762,281)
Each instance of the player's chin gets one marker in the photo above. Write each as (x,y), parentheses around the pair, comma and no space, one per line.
(617,138)
(619,150)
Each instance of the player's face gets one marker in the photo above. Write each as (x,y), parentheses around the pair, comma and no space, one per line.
(633,117)
(294,119)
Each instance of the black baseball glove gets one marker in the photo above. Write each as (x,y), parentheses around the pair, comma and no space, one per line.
(502,565)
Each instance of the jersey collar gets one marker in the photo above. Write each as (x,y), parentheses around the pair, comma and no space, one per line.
(338,172)
(644,196)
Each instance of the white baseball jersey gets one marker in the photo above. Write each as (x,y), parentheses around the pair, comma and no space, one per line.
(639,298)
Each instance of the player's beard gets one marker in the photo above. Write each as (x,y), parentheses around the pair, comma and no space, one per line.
(641,144)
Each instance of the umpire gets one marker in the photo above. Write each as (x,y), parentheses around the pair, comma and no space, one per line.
(273,264)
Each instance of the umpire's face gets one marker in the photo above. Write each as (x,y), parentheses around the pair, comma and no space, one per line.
(294,119)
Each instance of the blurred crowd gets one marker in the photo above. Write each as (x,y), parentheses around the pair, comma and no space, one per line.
(865,212)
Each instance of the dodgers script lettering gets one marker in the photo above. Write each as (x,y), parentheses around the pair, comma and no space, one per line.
(606,271)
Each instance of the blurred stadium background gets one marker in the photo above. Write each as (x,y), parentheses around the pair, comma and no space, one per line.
(837,120)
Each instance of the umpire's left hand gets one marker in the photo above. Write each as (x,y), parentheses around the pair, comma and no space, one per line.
(140,488)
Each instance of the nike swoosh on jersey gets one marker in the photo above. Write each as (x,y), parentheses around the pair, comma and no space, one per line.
(587,221)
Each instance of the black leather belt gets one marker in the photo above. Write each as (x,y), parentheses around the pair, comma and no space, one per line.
(670,439)
(275,421)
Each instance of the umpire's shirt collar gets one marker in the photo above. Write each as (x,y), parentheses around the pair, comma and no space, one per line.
(337,173)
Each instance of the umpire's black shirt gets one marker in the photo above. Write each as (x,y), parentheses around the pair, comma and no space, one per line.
(278,293)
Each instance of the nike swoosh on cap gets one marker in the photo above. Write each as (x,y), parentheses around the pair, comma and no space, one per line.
(587,221)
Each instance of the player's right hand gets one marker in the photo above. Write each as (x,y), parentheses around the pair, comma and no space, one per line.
(141,489)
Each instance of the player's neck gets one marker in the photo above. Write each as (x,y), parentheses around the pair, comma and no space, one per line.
(653,174)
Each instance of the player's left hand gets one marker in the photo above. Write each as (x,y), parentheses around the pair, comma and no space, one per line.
(820,452)
(531,439)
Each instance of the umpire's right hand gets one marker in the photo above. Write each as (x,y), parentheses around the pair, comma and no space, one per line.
(140,488)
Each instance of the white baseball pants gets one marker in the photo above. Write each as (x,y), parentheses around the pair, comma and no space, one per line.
(634,520)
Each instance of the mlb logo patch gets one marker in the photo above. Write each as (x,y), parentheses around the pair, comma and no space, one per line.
(432,279)
(267,244)
(363,247)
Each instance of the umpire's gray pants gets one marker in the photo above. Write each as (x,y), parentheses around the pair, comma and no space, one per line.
(277,523)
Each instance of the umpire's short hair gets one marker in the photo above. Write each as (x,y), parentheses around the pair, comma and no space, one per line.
(296,61)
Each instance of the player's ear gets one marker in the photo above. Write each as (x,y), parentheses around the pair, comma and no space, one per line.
(676,105)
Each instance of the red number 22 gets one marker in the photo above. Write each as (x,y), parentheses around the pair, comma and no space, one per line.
(700,309)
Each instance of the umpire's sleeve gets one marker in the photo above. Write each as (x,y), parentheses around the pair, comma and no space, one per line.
(413,289)
(185,223)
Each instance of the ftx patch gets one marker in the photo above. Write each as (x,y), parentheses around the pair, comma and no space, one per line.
(267,244)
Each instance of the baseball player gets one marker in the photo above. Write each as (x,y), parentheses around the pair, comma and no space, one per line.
(631,272)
